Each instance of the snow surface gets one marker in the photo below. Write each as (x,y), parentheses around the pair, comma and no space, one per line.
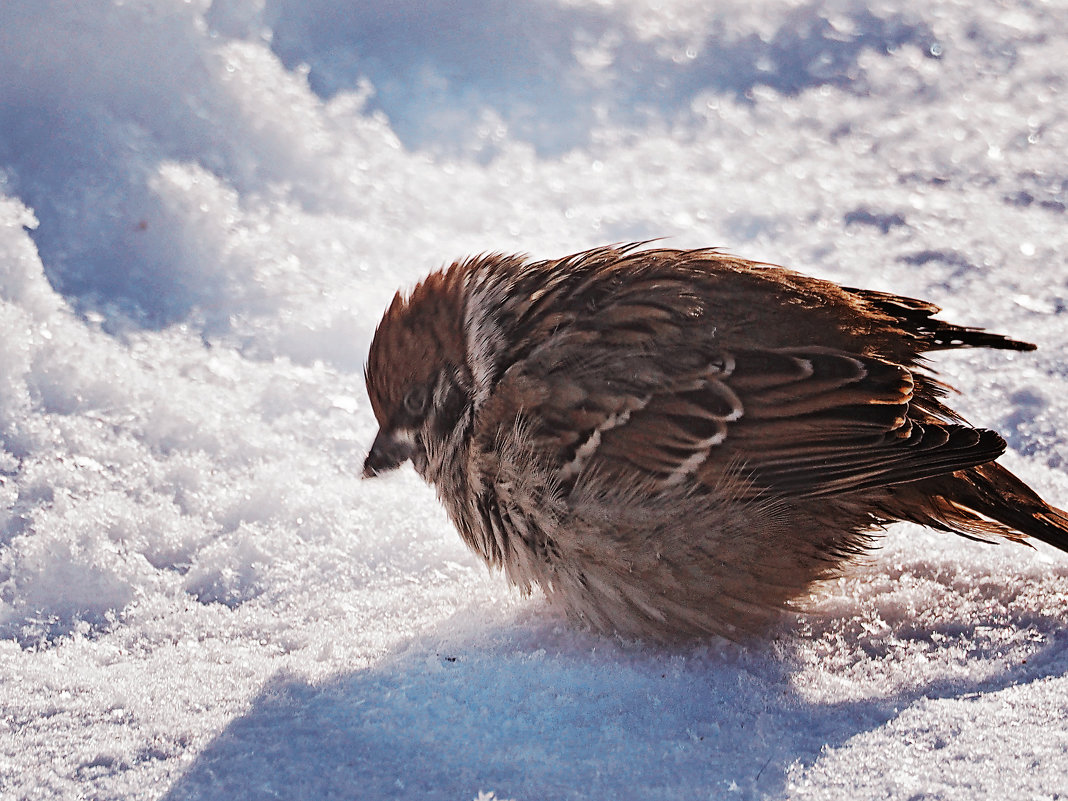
(204,207)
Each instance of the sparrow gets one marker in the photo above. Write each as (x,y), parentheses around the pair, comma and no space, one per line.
(677,444)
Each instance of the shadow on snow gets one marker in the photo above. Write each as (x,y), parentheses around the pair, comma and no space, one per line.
(530,714)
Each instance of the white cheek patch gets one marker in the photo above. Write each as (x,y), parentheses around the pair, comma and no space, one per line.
(405,435)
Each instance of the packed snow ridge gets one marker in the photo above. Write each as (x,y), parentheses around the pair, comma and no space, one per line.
(204,209)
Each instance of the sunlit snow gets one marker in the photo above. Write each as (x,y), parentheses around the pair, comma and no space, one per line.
(205,206)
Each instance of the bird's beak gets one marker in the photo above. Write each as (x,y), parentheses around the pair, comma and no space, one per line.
(389,451)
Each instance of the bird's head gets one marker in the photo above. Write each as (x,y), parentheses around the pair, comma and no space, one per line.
(416,374)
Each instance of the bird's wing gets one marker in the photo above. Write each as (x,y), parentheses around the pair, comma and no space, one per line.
(814,422)
(684,369)
(793,422)
(917,322)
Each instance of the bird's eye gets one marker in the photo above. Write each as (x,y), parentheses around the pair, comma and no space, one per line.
(415,401)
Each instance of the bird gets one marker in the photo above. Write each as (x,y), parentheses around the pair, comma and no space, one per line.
(681,444)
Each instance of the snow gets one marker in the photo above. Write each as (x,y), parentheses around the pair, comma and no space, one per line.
(204,208)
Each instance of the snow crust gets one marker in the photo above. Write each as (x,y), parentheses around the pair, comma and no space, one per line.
(204,208)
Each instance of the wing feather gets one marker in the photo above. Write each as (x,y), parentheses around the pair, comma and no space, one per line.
(640,367)
(800,422)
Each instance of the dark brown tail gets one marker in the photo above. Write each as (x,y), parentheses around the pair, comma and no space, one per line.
(1004,497)
(981,502)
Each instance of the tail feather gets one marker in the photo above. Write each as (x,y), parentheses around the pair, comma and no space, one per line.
(1054,528)
(1009,500)
(981,502)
